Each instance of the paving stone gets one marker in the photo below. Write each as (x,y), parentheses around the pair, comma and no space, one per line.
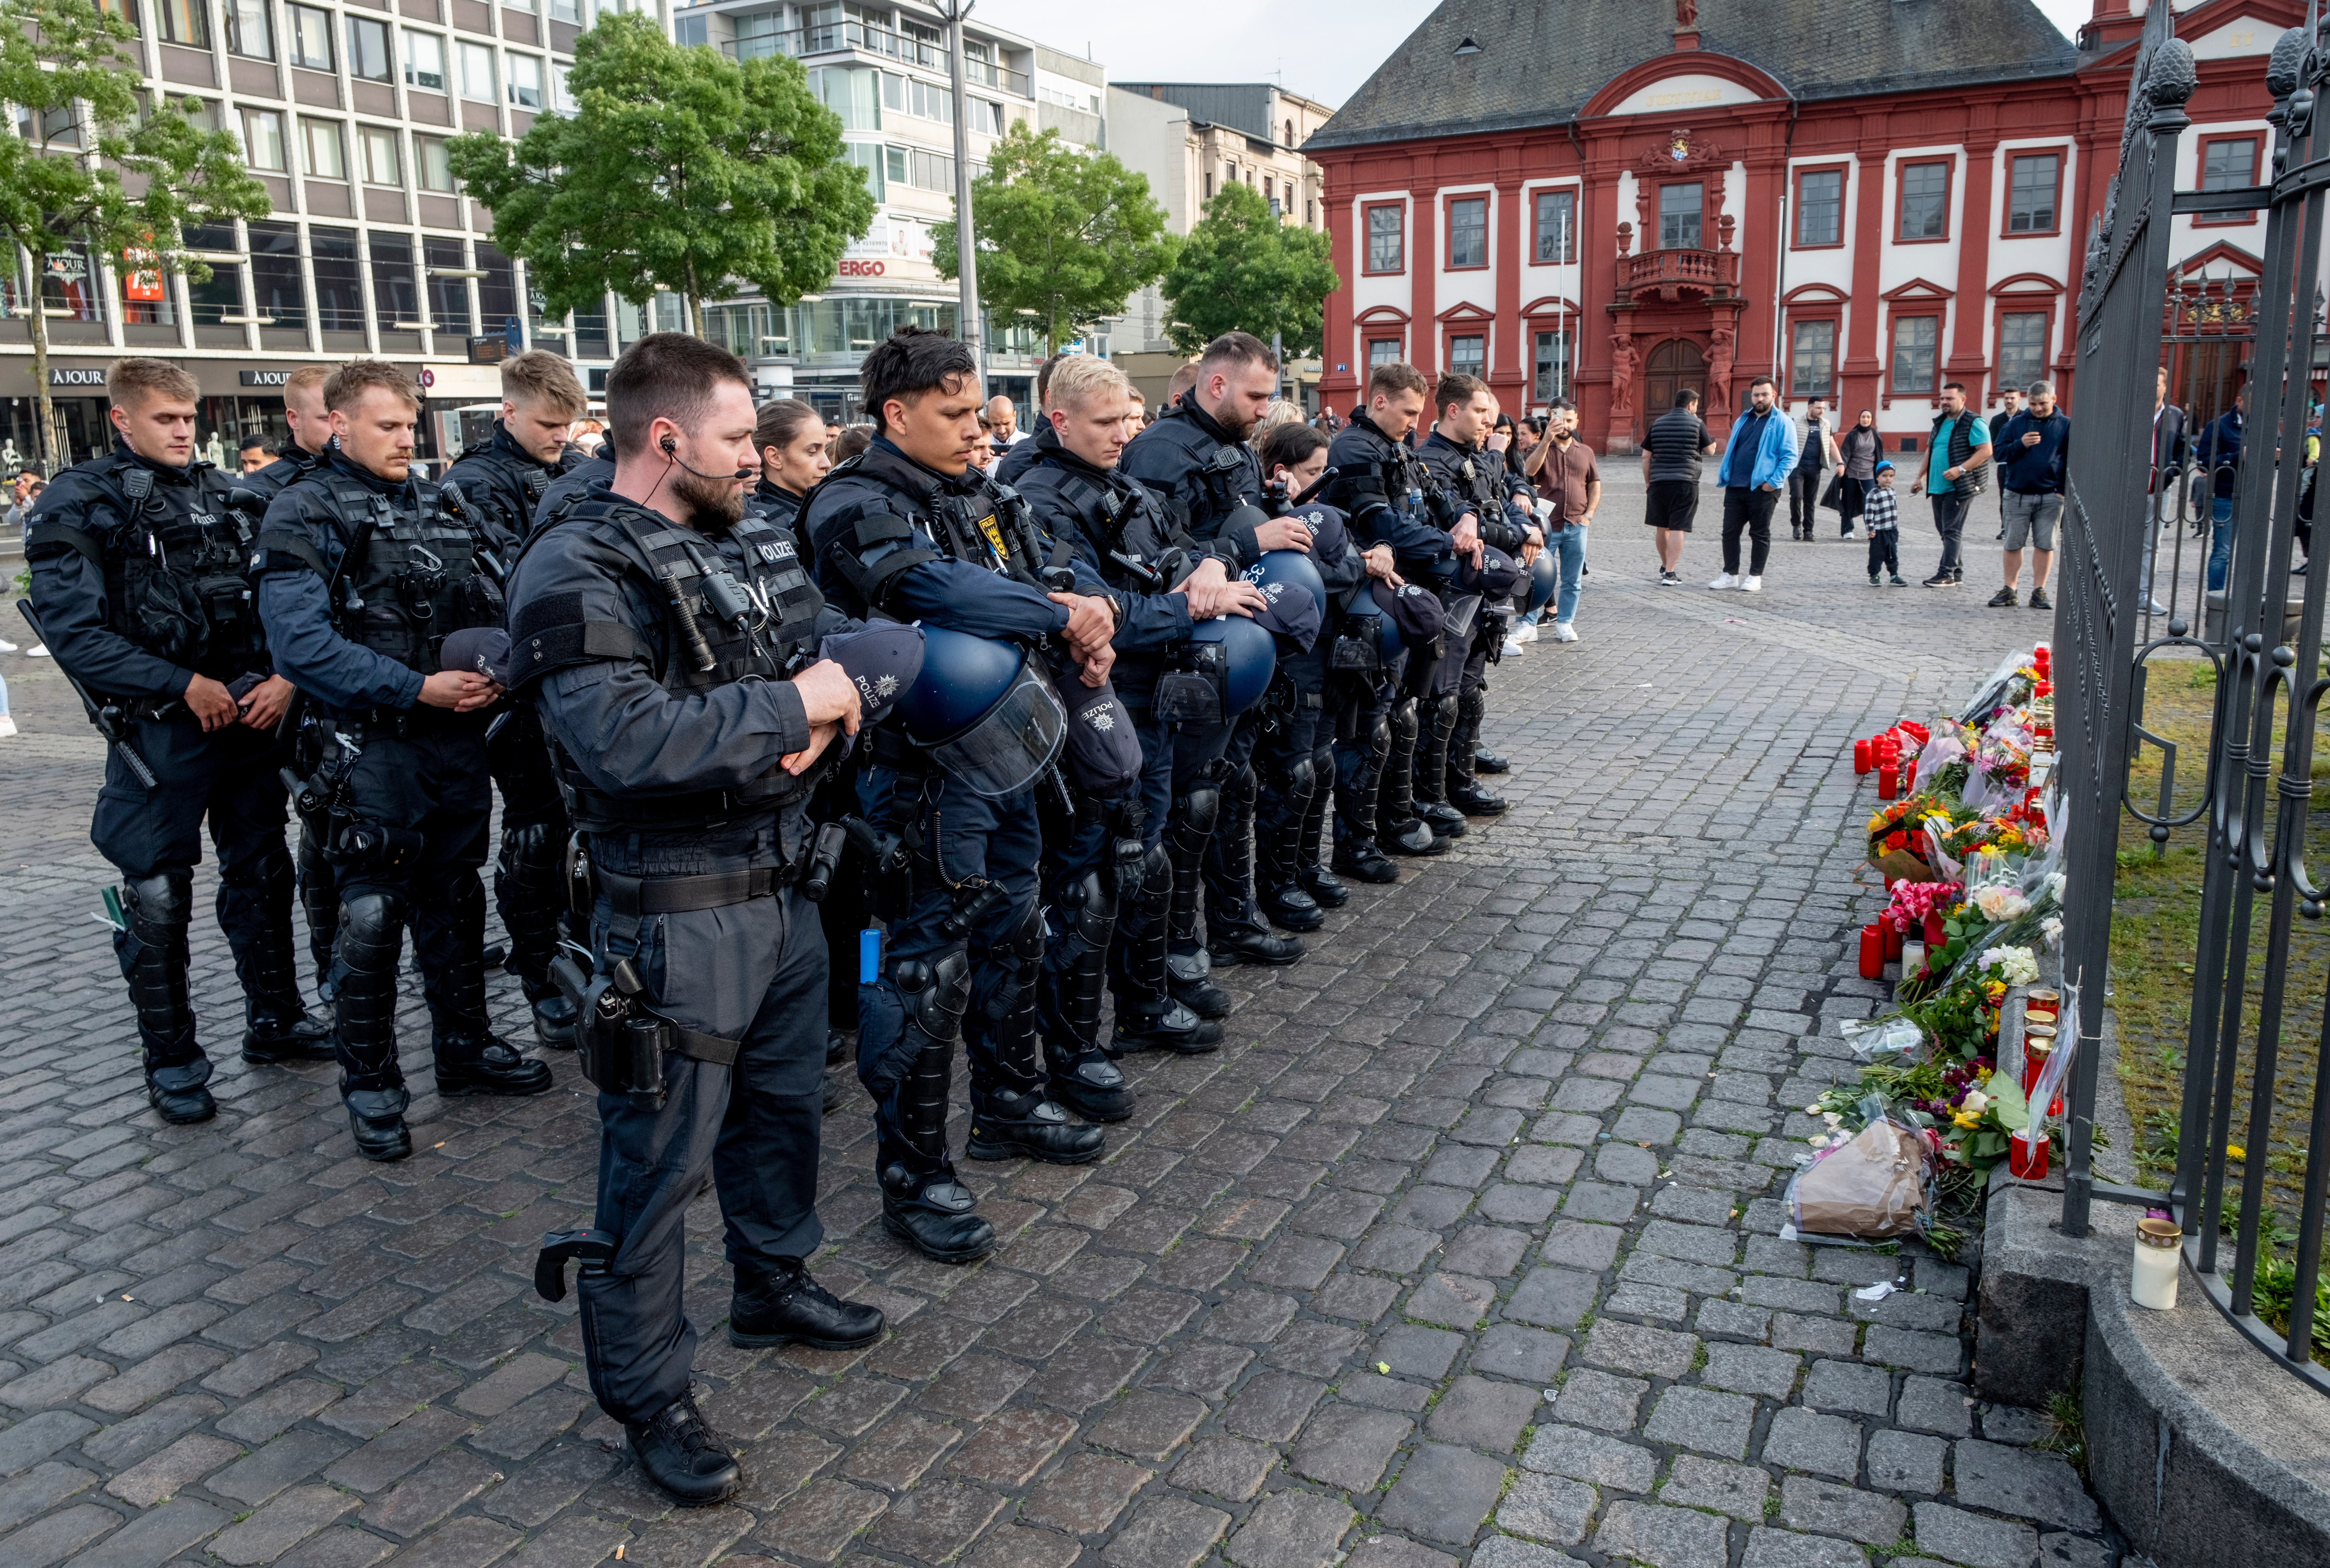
(1941,1354)
(45,1486)
(1083,1497)
(1552,1297)
(1589,1455)
(1769,1548)
(1597,1399)
(2003,1423)
(1576,1245)
(1546,1508)
(2025,1483)
(1901,1462)
(1630,1348)
(1455,1301)
(1751,1369)
(1147,1425)
(1828,1336)
(433,1491)
(1655,1301)
(1512,1552)
(1014,1546)
(1957,1535)
(1291,1530)
(1168,1532)
(153,1537)
(160,1475)
(822,1519)
(1663,1537)
(1530,1355)
(398,1450)
(1391,1552)
(1850,1387)
(2062,1551)
(281,1525)
(1443,1494)
(1929,1405)
(1229,1468)
(1482,1413)
(1703,1420)
(1012,1447)
(292,1458)
(1827,1509)
(1348,1448)
(1738,1490)
(53,1537)
(1803,1440)
(1413,1350)
(1273,1406)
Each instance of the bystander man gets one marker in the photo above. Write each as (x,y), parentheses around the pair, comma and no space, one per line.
(2034,445)
(1757,461)
(1672,449)
(1570,485)
(1957,460)
(1815,455)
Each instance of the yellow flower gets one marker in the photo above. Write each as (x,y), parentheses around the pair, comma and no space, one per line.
(1966,1118)
(2236,1152)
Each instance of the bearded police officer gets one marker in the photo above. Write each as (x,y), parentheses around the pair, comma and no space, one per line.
(501,482)
(911,529)
(1196,460)
(1100,927)
(1375,480)
(669,644)
(363,575)
(136,578)
(1477,481)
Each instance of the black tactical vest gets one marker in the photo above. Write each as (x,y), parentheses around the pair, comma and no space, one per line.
(723,629)
(988,526)
(408,576)
(175,581)
(1141,548)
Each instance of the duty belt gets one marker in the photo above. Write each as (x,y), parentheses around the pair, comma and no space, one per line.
(638,897)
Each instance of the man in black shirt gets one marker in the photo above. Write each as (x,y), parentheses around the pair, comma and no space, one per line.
(1671,450)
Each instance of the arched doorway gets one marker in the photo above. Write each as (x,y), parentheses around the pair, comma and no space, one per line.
(1673,365)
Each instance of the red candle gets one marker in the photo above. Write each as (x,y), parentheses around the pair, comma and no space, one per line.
(2026,1156)
(1862,757)
(1910,776)
(1887,779)
(1872,953)
(1888,747)
(1893,940)
(1935,933)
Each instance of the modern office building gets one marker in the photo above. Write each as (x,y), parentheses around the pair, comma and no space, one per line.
(884,70)
(1190,138)
(343,107)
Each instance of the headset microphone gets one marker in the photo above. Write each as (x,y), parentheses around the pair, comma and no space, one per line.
(671,452)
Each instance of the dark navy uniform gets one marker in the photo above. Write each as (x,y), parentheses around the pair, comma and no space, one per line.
(1211,485)
(966,944)
(502,485)
(583,477)
(319,892)
(1105,913)
(668,727)
(1482,484)
(137,574)
(1381,487)
(360,581)
(1294,756)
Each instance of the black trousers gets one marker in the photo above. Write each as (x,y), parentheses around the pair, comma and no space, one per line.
(1949,522)
(1884,551)
(227,777)
(1749,511)
(753,972)
(1803,499)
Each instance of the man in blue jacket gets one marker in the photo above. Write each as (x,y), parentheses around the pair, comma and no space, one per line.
(1756,462)
(2218,453)
(2034,445)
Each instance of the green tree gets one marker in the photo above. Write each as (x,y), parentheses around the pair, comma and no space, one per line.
(100,166)
(1063,234)
(680,169)
(1243,271)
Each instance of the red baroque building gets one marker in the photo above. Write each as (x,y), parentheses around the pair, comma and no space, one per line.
(1862,198)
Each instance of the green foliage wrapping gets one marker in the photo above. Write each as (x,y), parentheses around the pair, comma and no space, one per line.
(1064,234)
(680,169)
(1243,271)
(155,170)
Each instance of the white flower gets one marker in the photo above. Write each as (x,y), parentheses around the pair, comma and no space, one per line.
(2015,966)
(1832,1117)
(1812,1111)
(1974,1101)
(2052,928)
(1999,903)
(2053,885)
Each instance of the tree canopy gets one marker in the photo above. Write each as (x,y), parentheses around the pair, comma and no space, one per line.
(1064,234)
(72,71)
(680,170)
(1241,269)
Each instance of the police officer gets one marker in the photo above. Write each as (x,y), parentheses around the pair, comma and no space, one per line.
(788,440)
(1296,755)
(668,642)
(911,529)
(1195,457)
(311,426)
(501,482)
(1375,480)
(136,577)
(1108,892)
(1480,483)
(361,576)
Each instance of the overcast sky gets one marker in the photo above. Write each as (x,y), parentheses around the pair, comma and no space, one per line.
(1322,49)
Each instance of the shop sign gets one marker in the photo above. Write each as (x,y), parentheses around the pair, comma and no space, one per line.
(862,269)
(263,377)
(428,378)
(141,280)
(60,376)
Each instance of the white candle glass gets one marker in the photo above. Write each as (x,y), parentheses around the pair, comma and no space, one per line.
(2159,1246)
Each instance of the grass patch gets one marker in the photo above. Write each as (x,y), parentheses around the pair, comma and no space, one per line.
(1699,1357)
(2066,1432)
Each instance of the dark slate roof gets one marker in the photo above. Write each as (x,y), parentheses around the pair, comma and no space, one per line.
(1541,60)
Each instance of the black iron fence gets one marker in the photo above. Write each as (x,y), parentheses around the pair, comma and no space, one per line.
(2208,572)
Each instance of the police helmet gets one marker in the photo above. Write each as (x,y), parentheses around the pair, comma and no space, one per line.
(1544,579)
(1293,568)
(1366,619)
(984,711)
(1250,657)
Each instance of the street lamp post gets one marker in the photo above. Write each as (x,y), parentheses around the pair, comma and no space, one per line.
(966,248)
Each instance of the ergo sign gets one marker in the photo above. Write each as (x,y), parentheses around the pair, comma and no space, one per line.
(861,269)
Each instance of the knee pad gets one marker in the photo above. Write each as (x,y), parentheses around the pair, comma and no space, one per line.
(270,872)
(1473,704)
(1403,723)
(371,927)
(1090,903)
(166,898)
(1323,763)
(1242,790)
(1156,878)
(1445,709)
(1380,737)
(1198,810)
(937,1008)
(1300,777)
(1028,940)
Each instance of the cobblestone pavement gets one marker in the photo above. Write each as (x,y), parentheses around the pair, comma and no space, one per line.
(1463,1249)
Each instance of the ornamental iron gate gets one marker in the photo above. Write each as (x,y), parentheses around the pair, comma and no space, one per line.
(2126,502)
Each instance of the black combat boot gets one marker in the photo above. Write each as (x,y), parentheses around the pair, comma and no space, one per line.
(470,1059)
(363,975)
(1189,971)
(1326,889)
(530,891)
(923,1203)
(1278,886)
(1398,828)
(783,1305)
(1068,997)
(1012,1118)
(1234,931)
(1436,737)
(1464,792)
(278,1027)
(1356,855)
(679,1453)
(153,954)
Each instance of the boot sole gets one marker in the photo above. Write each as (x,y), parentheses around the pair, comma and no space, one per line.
(1226,959)
(1131,1045)
(557,1039)
(1300,926)
(385,1156)
(771,1341)
(192,1119)
(1089,1112)
(963,1255)
(984,1148)
(475,1090)
(1497,810)
(265,1058)
(1371,879)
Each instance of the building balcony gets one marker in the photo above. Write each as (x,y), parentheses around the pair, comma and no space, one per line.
(840,37)
(1671,276)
